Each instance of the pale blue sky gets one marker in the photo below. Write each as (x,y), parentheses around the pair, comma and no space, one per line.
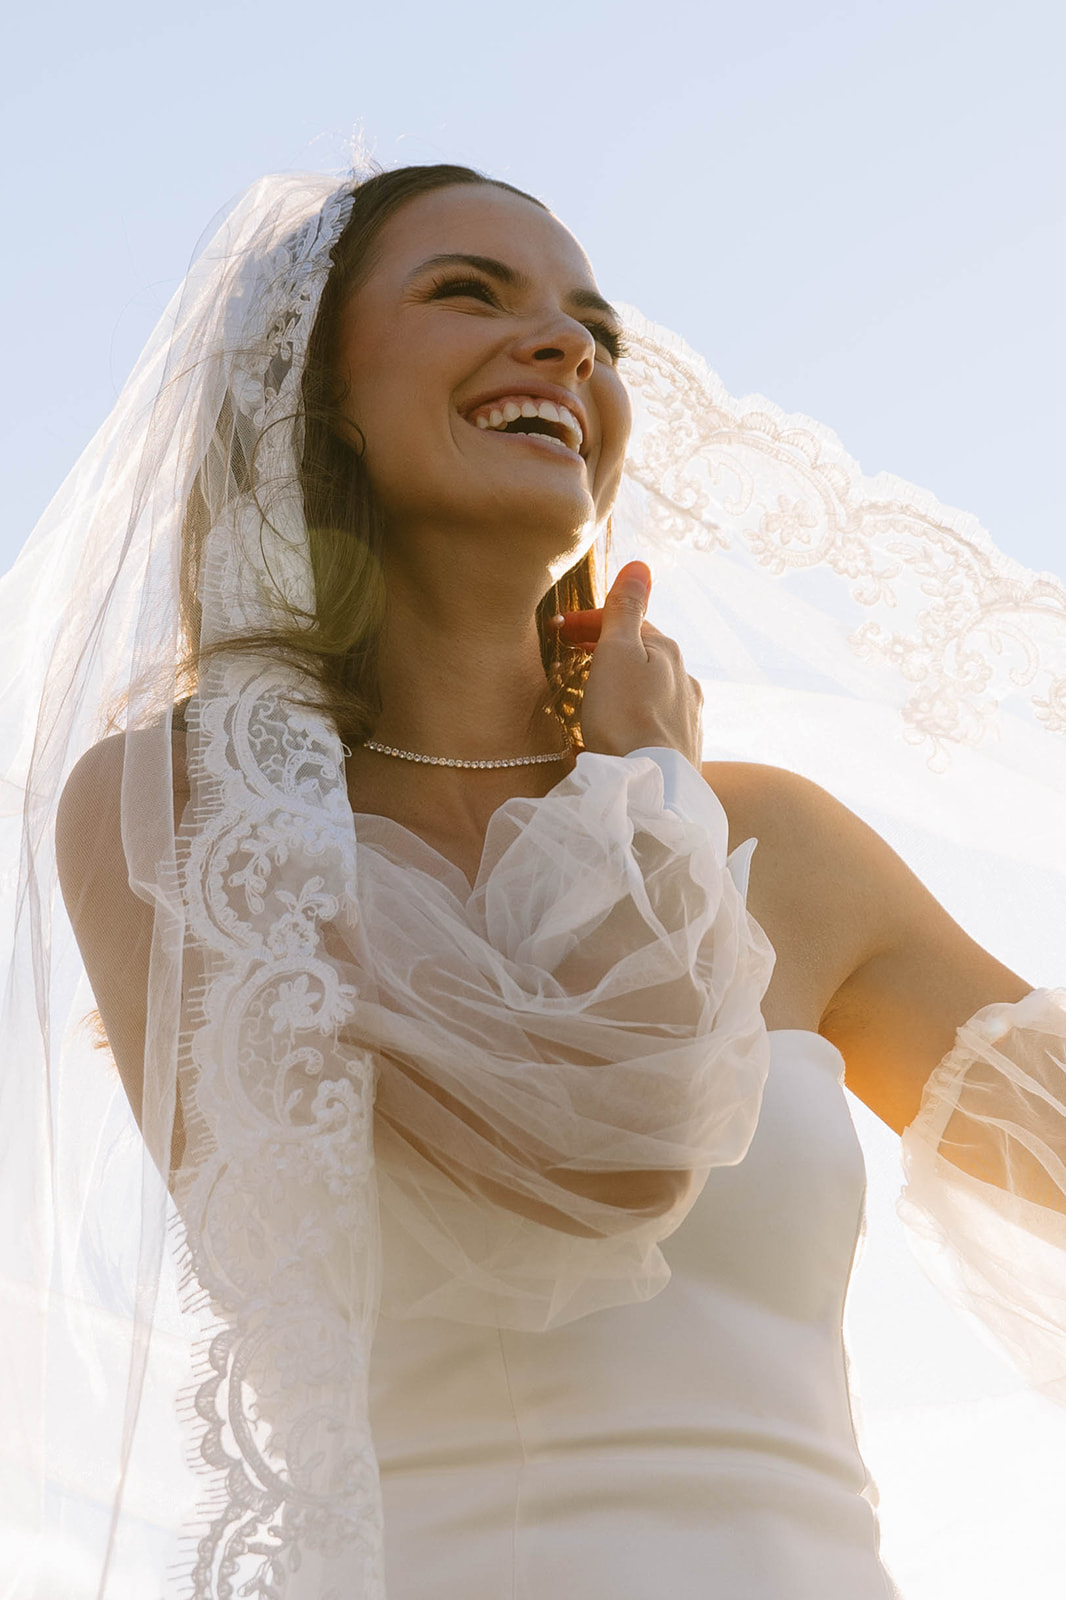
(854,208)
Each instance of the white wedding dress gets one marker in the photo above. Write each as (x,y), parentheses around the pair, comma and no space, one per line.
(698,1446)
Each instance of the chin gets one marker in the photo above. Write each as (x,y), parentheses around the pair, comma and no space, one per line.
(551,517)
(562,516)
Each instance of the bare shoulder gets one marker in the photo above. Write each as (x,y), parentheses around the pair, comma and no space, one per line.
(816,883)
(96,778)
(779,806)
(817,864)
(93,791)
(866,955)
(813,852)
(112,924)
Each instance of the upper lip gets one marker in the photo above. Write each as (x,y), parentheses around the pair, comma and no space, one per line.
(537,391)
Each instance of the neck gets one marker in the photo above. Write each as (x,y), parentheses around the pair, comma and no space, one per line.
(461,674)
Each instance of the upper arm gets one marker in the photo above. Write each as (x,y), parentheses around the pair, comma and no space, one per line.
(895,1017)
(866,955)
(112,925)
(913,975)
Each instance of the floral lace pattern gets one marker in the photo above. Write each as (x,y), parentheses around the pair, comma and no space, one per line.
(964,626)
(279,1152)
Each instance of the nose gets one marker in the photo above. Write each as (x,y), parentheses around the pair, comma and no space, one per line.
(561,343)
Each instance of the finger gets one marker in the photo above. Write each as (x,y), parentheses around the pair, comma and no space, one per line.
(581,627)
(624,608)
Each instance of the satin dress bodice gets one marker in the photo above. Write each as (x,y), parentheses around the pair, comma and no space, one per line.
(697,1446)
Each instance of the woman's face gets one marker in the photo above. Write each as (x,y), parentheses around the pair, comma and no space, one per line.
(481,363)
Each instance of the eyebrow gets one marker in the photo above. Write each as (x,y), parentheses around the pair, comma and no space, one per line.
(587,299)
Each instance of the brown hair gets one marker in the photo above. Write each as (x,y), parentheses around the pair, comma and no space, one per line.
(336,649)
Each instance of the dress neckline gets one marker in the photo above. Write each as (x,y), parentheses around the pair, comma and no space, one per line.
(379,818)
(452,871)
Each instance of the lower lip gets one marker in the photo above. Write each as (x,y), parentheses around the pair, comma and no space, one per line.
(540,441)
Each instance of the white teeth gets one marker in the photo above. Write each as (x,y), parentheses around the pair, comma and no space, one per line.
(499,416)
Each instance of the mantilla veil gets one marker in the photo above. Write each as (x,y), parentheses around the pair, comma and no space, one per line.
(183,1381)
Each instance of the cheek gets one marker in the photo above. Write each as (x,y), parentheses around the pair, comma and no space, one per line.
(616,414)
(400,440)
(623,414)
(616,420)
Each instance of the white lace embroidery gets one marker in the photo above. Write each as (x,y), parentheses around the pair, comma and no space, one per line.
(280,1160)
(279,1157)
(974,629)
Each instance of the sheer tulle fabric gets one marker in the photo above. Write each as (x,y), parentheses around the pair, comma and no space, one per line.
(562,1051)
(986,1179)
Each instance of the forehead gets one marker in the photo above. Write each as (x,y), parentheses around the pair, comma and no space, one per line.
(477,219)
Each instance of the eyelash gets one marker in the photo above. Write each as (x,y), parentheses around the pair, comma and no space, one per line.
(611,340)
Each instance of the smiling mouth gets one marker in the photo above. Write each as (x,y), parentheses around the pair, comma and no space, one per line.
(545,442)
(522,415)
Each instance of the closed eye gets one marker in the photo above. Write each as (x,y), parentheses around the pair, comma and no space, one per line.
(604,334)
(609,338)
(475,287)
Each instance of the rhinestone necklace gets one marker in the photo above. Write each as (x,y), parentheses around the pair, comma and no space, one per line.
(453,761)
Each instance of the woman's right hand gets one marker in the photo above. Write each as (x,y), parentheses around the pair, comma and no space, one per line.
(638,693)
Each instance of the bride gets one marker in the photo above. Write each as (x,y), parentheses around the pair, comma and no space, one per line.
(545,1053)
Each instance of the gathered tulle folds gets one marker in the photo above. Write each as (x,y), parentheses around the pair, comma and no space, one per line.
(564,1050)
(985,1162)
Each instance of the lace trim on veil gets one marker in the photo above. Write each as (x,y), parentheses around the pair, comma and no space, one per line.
(963,625)
(278,1116)
(295,1470)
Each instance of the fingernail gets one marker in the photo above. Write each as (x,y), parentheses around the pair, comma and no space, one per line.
(639,572)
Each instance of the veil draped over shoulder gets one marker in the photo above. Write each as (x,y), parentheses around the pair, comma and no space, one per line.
(184,1370)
